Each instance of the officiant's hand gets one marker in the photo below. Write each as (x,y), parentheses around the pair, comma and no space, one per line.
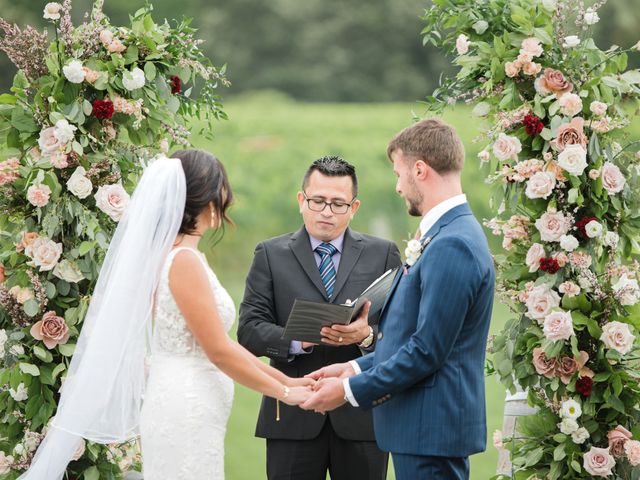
(297,395)
(329,395)
(355,332)
(300,382)
(337,370)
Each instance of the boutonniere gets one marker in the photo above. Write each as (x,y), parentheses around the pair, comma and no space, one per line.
(413,251)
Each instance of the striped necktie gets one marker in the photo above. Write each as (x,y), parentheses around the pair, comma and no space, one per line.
(326,267)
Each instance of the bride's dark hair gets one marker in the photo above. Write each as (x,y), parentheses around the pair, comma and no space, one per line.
(206,181)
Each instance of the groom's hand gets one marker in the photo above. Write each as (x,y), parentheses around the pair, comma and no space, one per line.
(329,395)
(337,370)
(355,332)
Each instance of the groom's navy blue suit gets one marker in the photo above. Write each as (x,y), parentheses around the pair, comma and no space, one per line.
(426,377)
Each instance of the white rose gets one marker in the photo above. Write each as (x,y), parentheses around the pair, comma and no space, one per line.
(74,72)
(598,108)
(591,17)
(580,436)
(570,409)
(552,226)
(64,131)
(541,301)
(44,253)
(534,255)
(48,142)
(611,239)
(480,27)
(569,243)
(507,147)
(573,159)
(19,394)
(21,294)
(571,41)
(568,426)
(617,336)
(112,200)
(68,271)
(462,44)
(78,184)
(612,179)
(541,185)
(52,11)
(627,290)
(558,326)
(134,79)
(593,229)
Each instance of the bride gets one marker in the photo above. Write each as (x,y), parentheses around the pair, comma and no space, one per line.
(156,290)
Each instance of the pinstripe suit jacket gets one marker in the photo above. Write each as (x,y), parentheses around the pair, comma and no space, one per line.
(426,376)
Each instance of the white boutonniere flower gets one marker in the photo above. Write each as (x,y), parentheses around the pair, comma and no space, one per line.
(414,250)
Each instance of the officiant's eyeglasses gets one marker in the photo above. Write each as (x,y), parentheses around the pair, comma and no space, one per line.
(318,205)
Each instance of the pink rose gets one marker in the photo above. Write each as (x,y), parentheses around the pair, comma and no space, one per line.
(112,200)
(617,336)
(558,326)
(570,104)
(534,255)
(531,68)
(483,156)
(612,179)
(571,133)
(541,185)
(51,330)
(561,258)
(532,47)
(38,195)
(511,69)
(44,253)
(462,44)
(569,288)
(598,462)
(48,141)
(541,301)
(59,159)
(552,226)
(90,76)
(9,171)
(632,450)
(507,147)
(106,37)
(6,461)
(594,173)
(553,81)
(601,126)
(567,366)
(543,365)
(617,438)
(598,108)
(116,46)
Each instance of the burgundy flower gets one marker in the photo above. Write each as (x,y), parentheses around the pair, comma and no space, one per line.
(549,265)
(176,85)
(584,385)
(103,109)
(580,225)
(532,125)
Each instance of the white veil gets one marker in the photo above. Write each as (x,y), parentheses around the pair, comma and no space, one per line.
(102,394)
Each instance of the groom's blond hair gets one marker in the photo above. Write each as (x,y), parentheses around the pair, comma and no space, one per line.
(432,141)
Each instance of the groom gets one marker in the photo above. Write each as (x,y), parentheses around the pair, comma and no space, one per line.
(426,376)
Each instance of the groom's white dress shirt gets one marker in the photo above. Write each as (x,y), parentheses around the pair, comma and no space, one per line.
(429,220)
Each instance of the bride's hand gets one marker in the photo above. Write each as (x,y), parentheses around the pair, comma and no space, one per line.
(300,382)
(297,395)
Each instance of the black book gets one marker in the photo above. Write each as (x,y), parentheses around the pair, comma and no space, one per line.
(308,317)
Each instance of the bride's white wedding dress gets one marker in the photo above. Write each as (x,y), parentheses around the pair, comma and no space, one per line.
(188,399)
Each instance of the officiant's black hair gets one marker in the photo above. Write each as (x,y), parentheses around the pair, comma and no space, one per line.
(206,182)
(333,166)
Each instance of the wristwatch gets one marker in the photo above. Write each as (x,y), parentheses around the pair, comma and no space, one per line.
(366,343)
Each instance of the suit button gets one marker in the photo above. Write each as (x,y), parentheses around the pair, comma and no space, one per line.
(380,336)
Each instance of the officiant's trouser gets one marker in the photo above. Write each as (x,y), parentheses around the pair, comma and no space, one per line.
(311,459)
(414,467)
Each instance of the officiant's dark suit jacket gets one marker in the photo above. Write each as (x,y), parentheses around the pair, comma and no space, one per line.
(283,269)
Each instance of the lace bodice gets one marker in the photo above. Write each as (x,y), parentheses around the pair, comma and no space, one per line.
(171,332)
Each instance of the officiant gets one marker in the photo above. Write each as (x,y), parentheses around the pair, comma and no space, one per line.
(323,261)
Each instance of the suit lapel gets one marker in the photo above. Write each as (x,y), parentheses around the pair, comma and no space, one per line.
(433,231)
(351,250)
(300,245)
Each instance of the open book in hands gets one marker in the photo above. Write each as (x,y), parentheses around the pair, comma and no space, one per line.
(308,317)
